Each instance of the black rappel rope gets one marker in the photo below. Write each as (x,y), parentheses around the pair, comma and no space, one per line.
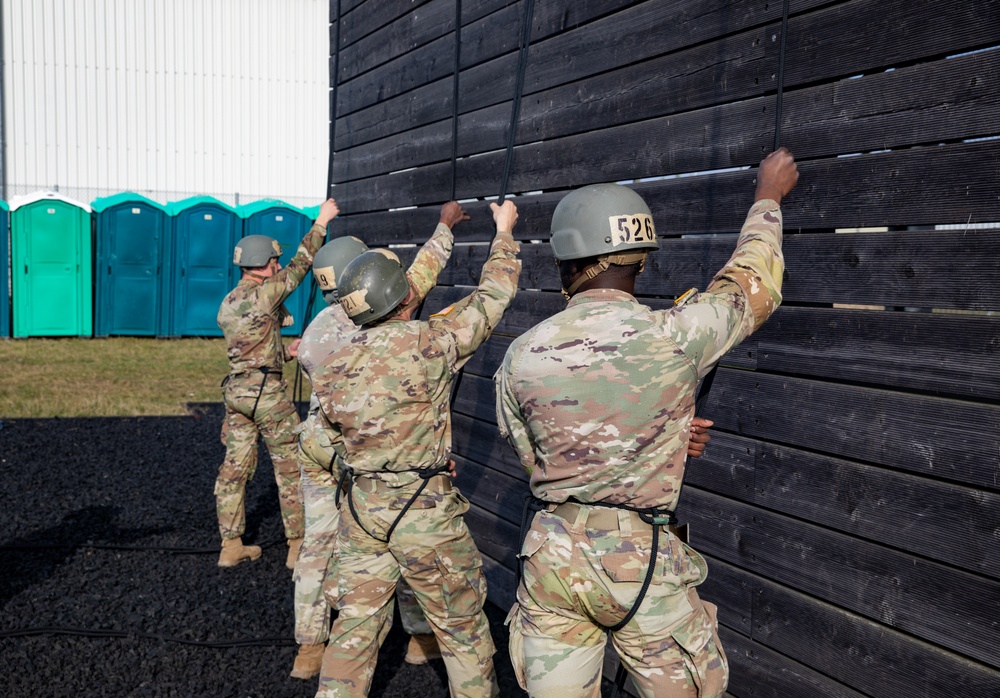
(515,114)
(706,383)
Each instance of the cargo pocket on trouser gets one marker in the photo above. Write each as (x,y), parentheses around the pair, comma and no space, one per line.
(698,642)
(463,586)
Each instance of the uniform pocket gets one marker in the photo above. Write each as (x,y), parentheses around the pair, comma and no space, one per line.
(627,567)
(463,585)
(702,653)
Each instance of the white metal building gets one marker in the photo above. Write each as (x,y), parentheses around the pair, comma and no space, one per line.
(168,98)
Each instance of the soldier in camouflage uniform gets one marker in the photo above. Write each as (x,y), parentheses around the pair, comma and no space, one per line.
(251,317)
(597,402)
(386,396)
(318,470)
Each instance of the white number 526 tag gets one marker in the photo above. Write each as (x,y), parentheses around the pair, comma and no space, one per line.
(637,227)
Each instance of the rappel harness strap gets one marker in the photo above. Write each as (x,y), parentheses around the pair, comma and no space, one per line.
(347,478)
(515,111)
(654,516)
(267,371)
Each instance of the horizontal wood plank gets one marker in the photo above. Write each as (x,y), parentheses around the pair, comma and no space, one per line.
(418,26)
(929,103)
(757,671)
(863,654)
(944,438)
(876,581)
(500,587)
(866,190)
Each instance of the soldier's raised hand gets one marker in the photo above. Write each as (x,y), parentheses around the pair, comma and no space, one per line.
(777,176)
(505,216)
(328,210)
(452,214)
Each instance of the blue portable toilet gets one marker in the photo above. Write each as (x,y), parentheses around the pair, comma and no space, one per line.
(288,225)
(205,231)
(51,266)
(133,247)
(4,269)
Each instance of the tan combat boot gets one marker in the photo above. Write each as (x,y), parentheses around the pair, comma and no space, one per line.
(293,552)
(234,552)
(308,661)
(422,649)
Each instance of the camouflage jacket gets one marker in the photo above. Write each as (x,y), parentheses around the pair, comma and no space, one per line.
(332,325)
(251,315)
(385,391)
(597,400)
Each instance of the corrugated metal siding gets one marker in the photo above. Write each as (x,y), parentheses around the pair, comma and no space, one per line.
(167,97)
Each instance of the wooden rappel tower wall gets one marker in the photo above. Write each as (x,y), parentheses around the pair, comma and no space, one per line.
(849,503)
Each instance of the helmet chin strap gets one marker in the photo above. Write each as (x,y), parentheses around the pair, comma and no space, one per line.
(603,263)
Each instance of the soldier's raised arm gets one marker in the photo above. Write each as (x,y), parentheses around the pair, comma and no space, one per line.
(468,323)
(277,288)
(753,272)
(434,254)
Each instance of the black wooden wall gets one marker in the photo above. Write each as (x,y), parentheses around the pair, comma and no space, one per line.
(849,503)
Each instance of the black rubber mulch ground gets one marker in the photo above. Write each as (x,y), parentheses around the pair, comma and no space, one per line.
(102,524)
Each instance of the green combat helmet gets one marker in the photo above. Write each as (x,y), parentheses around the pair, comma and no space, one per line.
(372,286)
(255,251)
(331,260)
(607,221)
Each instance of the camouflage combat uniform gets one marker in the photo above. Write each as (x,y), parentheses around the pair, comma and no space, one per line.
(319,472)
(597,401)
(386,393)
(251,317)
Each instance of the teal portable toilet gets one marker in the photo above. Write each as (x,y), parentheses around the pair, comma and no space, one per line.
(288,225)
(51,266)
(133,246)
(4,269)
(205,231)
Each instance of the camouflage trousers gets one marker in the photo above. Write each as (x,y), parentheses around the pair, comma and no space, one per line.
(583,569)
(319,492)
(432,550)
(275,420)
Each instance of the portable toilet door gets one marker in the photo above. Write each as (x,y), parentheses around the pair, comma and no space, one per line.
(4,269)
(288,225)
(132,245)
(205,231)
(51,266)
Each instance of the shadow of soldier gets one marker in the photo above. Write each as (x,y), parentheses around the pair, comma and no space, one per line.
(30,559)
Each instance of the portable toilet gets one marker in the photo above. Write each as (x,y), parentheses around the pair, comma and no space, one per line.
(51,266)
(288,225)
(4,269)
(133,246)
(205,231)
